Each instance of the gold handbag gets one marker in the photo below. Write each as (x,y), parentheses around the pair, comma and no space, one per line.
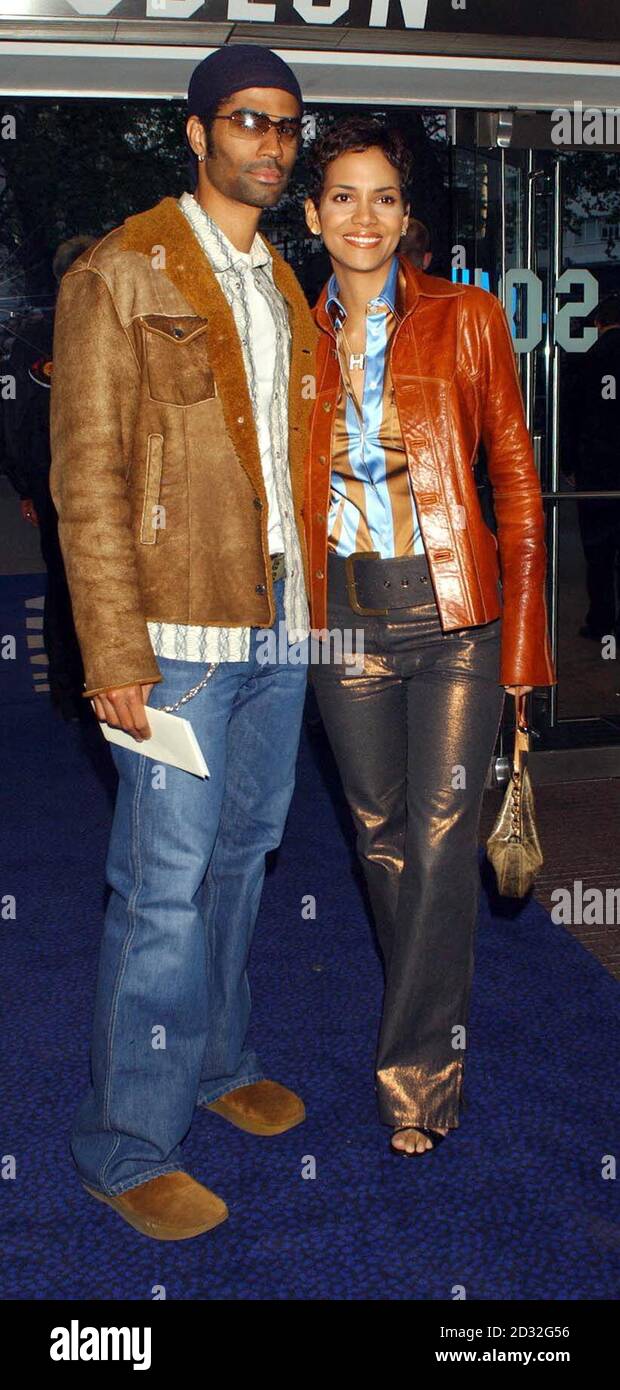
(513,846)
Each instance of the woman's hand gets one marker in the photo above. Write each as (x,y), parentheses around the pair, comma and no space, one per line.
(518,689)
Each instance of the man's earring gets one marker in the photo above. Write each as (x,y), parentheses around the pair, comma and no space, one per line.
(201,158)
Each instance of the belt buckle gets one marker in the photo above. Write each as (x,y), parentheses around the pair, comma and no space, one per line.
(351,590)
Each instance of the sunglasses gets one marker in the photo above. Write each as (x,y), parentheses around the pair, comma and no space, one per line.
(248,124)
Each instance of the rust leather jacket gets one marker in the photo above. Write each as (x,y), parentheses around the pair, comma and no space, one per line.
(456,384)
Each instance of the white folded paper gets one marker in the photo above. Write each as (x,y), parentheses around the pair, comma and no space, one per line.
(172,741)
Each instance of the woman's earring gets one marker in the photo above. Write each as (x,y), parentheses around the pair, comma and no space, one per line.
(201,158)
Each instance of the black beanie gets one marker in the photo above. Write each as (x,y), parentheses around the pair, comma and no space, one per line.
(234,67)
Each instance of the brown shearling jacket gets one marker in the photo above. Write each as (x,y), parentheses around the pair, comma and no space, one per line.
(456,383)
(150,408)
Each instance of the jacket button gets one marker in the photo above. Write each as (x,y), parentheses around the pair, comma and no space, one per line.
(322,458)
(319,574)
(177,332)
(327,405)
(258,504)
(240,419)
(261,589)
(320,516)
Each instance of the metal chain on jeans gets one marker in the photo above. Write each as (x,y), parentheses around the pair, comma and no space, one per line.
(189,694)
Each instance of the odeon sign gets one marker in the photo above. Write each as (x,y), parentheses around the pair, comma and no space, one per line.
(562,19)
(376,14)
(527,286)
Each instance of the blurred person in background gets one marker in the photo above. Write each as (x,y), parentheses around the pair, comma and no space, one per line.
(591,448)
(416,244)
(27,461)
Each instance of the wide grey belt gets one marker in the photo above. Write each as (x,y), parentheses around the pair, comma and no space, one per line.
(374,586)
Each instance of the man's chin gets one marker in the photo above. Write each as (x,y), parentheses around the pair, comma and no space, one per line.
(257,195)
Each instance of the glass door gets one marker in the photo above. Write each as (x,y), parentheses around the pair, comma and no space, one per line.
(539,227)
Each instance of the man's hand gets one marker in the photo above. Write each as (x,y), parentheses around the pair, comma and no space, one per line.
(124,709)
(28,511)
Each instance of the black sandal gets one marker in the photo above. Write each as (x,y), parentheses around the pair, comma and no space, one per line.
(432,1134)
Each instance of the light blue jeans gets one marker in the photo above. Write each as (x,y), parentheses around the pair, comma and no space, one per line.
(185,865)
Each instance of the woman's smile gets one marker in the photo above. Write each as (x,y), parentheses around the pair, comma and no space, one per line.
(364,240)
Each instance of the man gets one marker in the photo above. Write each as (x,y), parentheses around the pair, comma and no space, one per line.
(592,435)
(416,244)
(25,423)
(182,341)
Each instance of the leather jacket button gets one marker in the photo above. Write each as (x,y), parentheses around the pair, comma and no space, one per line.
(319,574)
(258,504)
(327,405)
(261,588)
(320,516)
(322,458)
(177,332)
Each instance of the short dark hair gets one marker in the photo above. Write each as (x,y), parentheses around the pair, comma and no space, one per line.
(67,252)
(416,242)
(354,135)
(608,311)
(206,120)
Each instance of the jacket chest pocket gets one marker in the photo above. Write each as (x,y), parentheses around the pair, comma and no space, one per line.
(177,359)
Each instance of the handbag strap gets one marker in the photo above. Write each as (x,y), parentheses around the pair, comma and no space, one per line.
(522,735)
(519,762)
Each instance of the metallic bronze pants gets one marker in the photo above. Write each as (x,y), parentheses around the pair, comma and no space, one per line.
(413,738)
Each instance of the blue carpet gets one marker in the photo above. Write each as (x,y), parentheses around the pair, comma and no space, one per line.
(512,1206)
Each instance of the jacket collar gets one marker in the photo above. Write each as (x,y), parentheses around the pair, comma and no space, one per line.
(165,226)
(223,255)
(413,284)
(388,296)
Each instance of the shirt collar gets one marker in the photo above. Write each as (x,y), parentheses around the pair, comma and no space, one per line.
(216,245)
(336,309)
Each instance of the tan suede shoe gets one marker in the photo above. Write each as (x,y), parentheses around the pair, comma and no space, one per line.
(265,1107)
(171,1207)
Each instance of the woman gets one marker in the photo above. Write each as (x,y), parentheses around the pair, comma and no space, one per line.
(413,373)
